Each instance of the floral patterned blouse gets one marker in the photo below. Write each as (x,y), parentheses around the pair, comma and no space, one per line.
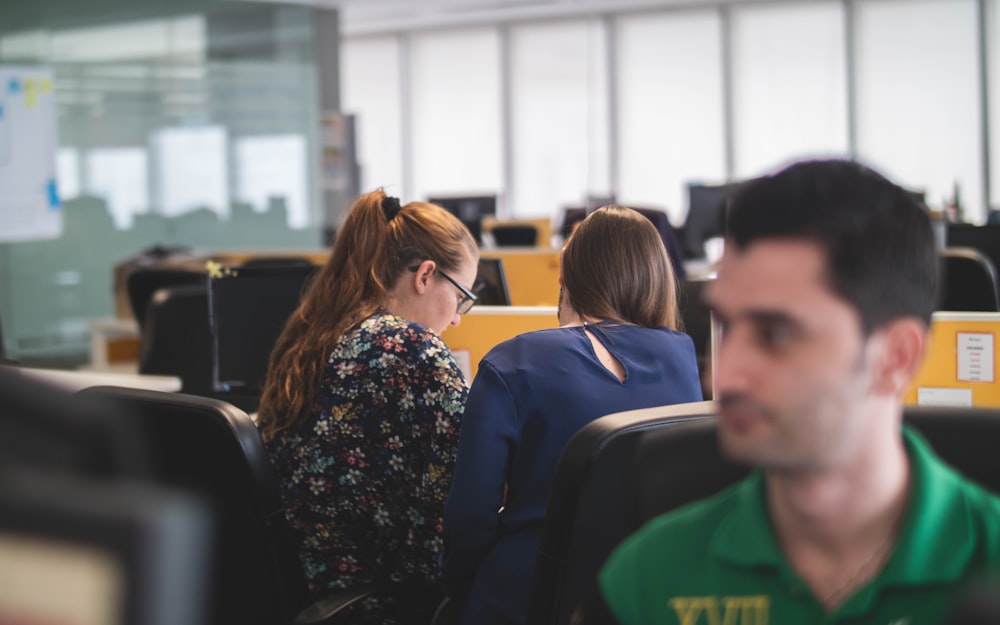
(365,474)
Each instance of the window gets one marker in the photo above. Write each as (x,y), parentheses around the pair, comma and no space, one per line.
(455,102)
(671,117)
(918,97)
(559,116)
(789,85)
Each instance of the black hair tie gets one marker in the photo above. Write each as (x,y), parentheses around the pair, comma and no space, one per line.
(390,207)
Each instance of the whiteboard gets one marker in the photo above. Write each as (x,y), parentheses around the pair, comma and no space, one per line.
(29,195)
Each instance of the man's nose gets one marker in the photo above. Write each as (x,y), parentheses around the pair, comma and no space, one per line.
(733,366)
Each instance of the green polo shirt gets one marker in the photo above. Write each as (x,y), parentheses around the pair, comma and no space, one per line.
(716,562)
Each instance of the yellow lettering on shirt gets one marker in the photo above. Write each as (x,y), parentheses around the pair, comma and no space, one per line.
(746,610)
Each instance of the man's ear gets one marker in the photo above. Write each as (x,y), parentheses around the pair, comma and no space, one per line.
(562,282)
(904,342)
(422,277)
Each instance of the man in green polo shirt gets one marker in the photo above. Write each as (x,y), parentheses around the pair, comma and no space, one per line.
(824,293)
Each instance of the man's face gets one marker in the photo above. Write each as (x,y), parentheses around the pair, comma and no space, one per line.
(792,367)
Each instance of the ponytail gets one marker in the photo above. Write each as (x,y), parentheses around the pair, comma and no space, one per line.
(377,241)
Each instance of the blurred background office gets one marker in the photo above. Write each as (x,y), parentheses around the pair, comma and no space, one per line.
(227,124)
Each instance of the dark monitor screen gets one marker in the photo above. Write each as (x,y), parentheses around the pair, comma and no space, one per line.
(248,308)
(706,216)
(469,210)
(491,283)
(571,216)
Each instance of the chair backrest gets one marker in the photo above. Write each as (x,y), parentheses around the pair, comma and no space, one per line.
(677,466)
(697,321)
(77,510)
(176,339)
(969,281)
(515,235)
(592,506)
(211,448)
(624,469)
(142,283)
(986,239)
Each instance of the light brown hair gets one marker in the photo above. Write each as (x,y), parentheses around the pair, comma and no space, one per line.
(376,244)
(615,268)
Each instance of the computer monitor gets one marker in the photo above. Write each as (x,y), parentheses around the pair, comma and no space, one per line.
(491,283)
(248,308)
(572,215)
(706,217)
(469,210)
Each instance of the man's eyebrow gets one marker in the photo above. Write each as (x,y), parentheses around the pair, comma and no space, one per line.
(760,316)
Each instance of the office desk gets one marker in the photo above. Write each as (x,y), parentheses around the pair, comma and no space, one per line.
(78,380)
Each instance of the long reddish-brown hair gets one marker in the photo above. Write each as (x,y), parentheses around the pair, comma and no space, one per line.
(373,249)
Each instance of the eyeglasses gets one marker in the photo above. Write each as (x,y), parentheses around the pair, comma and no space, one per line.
(468,299)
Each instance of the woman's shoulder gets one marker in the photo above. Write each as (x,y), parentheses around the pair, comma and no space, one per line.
(388,324)
(399,337)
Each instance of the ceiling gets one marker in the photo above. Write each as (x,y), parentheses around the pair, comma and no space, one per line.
(359,17)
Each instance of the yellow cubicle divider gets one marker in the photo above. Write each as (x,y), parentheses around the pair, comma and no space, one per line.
(960,367)
(483,327)
(532,274)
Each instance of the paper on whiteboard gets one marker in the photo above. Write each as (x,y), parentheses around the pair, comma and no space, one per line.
(29,203)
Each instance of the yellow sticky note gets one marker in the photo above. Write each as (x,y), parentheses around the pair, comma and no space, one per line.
(31,92)
(46,85)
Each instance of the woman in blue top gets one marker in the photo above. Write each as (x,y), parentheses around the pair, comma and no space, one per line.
(361,409)
(616,349)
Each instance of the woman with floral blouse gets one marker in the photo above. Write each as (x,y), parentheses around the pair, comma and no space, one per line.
(360,413)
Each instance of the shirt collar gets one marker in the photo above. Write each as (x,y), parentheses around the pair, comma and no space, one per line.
(934,543)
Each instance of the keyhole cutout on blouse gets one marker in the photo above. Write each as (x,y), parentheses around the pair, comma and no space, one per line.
(607,358)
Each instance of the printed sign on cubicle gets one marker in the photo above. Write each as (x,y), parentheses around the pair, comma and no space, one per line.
(961,362)
(29,204)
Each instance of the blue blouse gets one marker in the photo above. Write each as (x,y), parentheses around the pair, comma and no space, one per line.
(531,394)
(364,475)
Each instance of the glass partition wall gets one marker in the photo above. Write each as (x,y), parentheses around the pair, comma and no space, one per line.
(194,132)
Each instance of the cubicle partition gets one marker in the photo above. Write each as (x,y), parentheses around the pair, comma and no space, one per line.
(532,275)
(960,367)
(485,326)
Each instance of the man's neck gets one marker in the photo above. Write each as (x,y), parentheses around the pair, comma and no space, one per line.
(837,526)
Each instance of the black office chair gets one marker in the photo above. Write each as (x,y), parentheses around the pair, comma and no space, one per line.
(969,281)
(515,235)
(675,462)
(176,339)
(211,448)
(697,321)
(593,506)
(685,464)
(142,283)
(73,477)
(986,239)
(278,261)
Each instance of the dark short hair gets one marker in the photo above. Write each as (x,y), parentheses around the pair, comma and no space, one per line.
(876,237)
